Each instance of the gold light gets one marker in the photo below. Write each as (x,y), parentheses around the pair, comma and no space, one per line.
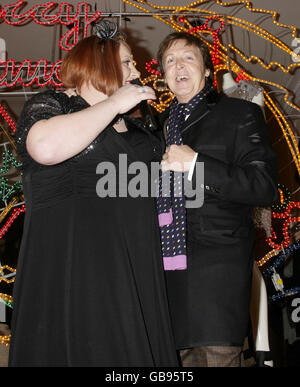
(166,98)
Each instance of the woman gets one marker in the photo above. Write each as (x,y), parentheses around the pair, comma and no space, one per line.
(89,289)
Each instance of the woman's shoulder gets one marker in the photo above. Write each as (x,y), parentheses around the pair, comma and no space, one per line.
(55,100)
(48,96)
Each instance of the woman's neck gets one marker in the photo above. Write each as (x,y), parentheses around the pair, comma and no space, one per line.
(91,95)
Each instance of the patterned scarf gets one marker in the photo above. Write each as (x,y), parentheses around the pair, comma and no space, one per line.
(171,199)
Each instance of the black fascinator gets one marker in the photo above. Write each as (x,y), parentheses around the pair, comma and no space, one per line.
(107,29)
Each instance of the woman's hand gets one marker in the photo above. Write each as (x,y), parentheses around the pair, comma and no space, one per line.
(130,95)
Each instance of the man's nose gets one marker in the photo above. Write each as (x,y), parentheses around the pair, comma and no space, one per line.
(179,63)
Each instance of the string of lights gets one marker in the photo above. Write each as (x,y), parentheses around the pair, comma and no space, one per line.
(65,16)
(7,118)
(16,212)
(286,293)
(283,255)
(3,277)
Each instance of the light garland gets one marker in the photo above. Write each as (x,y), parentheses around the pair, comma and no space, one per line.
(281,258)
(242,23)
(267,257)
(38,13)
(275,15)
(8,301)
(255,59)
(285,198)
(4,279)
(7,209)
(191,7)
(288,220)
(8,160)
(150,69)
(286,213)
(5,340)
(6,298)
(224,56)
(287,131)
(7,118)
(26,76)
(16,212)
(286,293)
(215,33)
(7,191)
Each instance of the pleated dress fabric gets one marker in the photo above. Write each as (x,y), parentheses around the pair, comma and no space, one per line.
(90,286)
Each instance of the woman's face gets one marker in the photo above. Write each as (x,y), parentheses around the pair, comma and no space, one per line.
(128,64)
(184,70)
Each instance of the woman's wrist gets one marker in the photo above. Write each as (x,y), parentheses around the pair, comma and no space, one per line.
(112,106)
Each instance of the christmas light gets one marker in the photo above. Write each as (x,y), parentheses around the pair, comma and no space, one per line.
(38,13)
(7,209)
(281,258)
(285,228)
(289,292)
(241,73)
(26,76)
(267,257)
(8,159)
(3,277)
(286,130)
(7,118)
(192,7)
(285,198)
(6,298)
(7,191)
(16,212)
(230,20)
(5,340)
(150,69)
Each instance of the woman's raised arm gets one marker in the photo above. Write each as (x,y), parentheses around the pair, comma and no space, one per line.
(61,137)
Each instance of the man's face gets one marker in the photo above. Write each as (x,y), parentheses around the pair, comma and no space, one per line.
(184,70)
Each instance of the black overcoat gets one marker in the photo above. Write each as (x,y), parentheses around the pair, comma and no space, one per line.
(209,302)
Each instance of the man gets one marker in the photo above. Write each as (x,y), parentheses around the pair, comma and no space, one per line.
(209,301)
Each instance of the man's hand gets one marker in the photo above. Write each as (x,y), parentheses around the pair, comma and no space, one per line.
(177,158)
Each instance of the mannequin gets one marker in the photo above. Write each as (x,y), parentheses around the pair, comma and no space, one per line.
(251,91)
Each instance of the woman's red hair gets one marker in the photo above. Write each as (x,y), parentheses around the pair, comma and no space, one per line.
(94,61)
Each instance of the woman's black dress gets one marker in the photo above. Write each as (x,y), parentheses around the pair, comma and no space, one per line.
(89,288)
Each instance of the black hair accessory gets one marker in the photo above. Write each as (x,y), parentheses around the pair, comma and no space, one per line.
(107,29)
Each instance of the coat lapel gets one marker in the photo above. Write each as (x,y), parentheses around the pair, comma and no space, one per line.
(198,114)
